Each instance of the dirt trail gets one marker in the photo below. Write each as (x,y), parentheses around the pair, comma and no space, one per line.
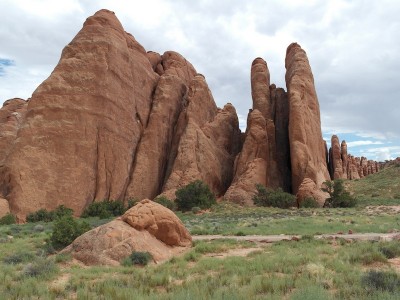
(284,237)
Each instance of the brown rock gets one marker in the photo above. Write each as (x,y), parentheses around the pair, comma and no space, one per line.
(146,227)
(205,143)
(353,168)
(306,144)
(158,221)
(156,62)
(336,159)
(282,137)
(260,81)
(344,154)
(83,123)
(251,164)
(12,115)
(307,189)
(155,145)
(4,207)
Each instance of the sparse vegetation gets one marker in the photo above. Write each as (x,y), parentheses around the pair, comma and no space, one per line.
(338,196)
(273,198)
(381,281)
(7,219)
(196,193)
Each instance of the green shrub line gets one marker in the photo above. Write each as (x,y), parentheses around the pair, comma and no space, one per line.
(273,198)
(164,201)
(43,215)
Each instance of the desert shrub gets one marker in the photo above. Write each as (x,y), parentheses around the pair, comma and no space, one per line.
(66,230)
(338,196)
(19,257)
(63,257)
(104,209)
(164,201)
(43,215)
(137,258)
(40,268)
(381,281)
(40,215)
(275,198)
(309,202)
(62,211)
(196,193)
(8,219)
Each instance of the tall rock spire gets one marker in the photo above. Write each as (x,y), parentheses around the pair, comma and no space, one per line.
(307,148)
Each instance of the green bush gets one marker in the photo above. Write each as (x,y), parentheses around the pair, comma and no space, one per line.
(274,198)
(164,201)
(309,202)
(196,209)
(104,209)
(66,230)
(137,258)
(196,193)
(43,215)
(338,196)
(381,281)
(8,219)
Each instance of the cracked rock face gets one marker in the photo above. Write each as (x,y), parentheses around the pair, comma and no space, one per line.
(146,227)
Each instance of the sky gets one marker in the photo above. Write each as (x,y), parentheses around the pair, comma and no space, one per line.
(353,48)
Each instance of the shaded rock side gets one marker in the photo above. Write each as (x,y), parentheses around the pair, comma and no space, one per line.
(343,151)
(252,163)
(204,150)
(12,115)
(281,121)
(306,144)
(83,123)
(146,227)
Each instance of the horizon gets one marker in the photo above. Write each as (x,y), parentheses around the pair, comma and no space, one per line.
(351,107)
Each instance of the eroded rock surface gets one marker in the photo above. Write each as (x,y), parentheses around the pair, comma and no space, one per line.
(146,227)
(307,148)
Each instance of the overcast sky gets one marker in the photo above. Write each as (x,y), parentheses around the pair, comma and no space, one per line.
(353,48)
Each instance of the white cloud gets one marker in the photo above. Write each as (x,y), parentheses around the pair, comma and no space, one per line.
(362,143)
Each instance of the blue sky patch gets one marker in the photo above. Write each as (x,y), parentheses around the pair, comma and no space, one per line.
(4,63)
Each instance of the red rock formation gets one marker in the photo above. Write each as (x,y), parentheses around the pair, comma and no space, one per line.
(205,143)
(307,148)
(147,227)
(281,120)
(252,162)
(336,165)
(344,154)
